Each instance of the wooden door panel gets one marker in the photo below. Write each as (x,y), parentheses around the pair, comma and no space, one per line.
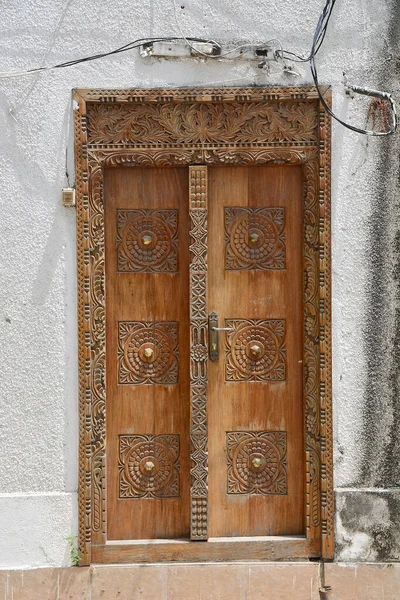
(146,228)
(255,407)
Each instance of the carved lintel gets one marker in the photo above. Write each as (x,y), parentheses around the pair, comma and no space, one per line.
(190,95)
(198,353)
(203,124)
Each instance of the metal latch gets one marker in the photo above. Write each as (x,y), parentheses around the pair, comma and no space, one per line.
(213,330)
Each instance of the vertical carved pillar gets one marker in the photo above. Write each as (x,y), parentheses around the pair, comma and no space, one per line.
(198,353)
(325,391)
(311,352)
(85,400)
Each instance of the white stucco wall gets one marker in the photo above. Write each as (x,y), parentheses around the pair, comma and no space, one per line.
(38,351)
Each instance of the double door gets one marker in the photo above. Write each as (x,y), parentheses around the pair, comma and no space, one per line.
(204,353)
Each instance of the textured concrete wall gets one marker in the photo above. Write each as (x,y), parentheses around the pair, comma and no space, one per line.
(38,383)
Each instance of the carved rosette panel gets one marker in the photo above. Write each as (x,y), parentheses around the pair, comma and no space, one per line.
(254,238)
(255,350)
(148,466)
(147,241)
(148,352)
(198,352)
(236,126)
(256,462)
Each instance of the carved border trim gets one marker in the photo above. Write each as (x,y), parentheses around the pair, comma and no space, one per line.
(198,294)
(84,353)
(228,94)
(91,309)
(311,349)
(325,336)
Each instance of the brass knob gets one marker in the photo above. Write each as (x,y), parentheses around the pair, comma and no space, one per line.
(148,352)
(146,240)
(149,466)
(254,237)
(256,462)
(255,350)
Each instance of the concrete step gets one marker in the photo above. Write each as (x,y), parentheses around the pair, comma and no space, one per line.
(234,581)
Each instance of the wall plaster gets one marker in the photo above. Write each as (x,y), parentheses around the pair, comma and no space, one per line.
(38,351)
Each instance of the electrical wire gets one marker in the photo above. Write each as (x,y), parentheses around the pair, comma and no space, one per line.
(221,55)
(130,46)
(23,99)
(142,42)
(228,52)
(320,35)
(318,39)
(279,54)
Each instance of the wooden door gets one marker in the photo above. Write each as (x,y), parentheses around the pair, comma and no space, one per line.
(253,392)
(203,224)
(255,400)
(147,361)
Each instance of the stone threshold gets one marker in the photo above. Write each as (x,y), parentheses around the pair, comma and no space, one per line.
(223,581)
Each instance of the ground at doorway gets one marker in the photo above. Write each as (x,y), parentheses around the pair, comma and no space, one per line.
(245,581)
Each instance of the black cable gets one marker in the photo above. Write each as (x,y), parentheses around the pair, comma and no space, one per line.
(318,39)
(129,46)
(320,36)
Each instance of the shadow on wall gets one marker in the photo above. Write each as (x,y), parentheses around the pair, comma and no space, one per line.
(367,520)
(381,417)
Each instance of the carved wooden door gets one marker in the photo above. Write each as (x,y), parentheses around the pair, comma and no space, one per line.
(204,325)
(147,289)
(226,400)
(255,404)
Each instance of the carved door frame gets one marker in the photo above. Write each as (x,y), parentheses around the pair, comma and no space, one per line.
(189,127)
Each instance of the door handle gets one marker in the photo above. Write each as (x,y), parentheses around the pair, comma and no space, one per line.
(213,343)
(213,330)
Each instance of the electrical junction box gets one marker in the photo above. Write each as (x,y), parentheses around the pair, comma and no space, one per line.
(179,49)
(192,49)
(68,197)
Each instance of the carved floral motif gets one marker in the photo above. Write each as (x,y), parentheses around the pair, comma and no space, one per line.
(256,462)
(148,466)
(311,348)
(254,238)
(148,352)
(97,323)
(147,241)
(198,123)
(255,350)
